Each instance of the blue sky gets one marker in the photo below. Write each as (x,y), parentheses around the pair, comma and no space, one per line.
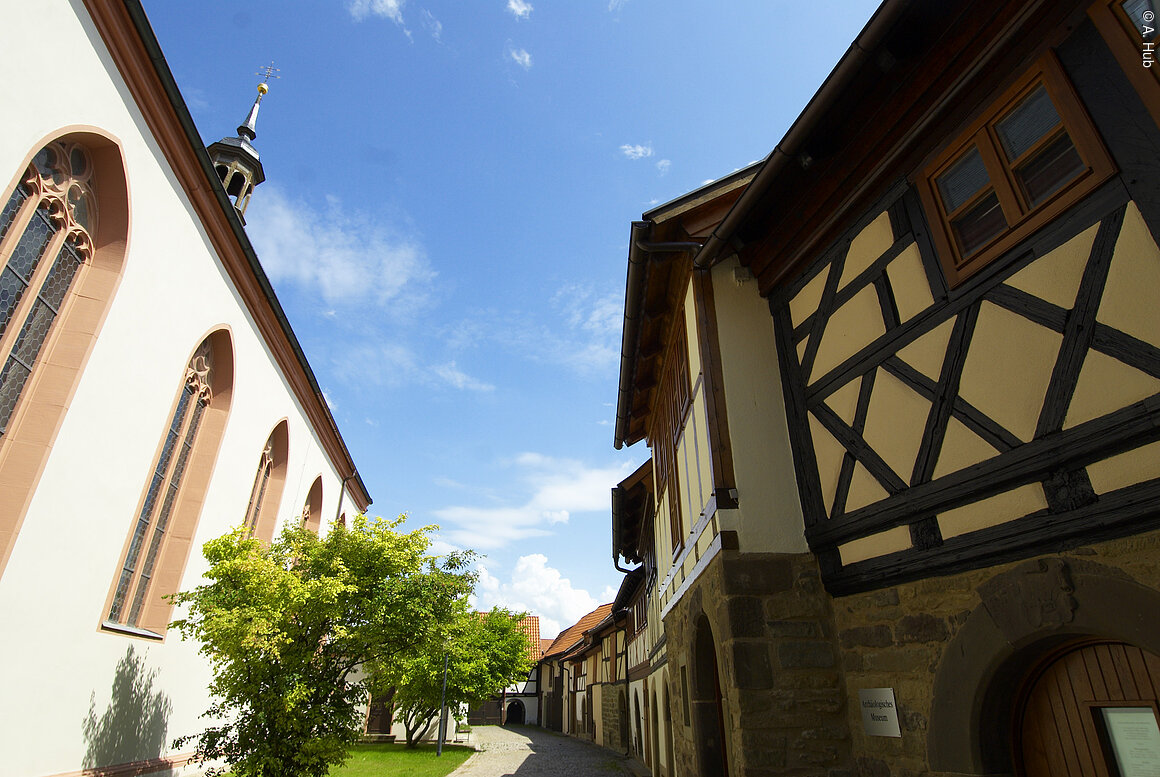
(445,218)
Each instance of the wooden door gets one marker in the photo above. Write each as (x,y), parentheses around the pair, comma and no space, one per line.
(1060,731)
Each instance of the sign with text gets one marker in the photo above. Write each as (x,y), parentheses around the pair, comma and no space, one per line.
(1135,740)
(879,714)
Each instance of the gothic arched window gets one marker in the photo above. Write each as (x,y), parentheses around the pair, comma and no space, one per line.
(63,230)
(312,510)
(266,493)
(45,233)
(160,539)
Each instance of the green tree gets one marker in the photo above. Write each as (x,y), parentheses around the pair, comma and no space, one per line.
(485,652)
(286,627)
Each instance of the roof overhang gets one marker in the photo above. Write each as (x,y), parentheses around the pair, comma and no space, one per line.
(848,148)
(632,505)
(125,30)
(660,253)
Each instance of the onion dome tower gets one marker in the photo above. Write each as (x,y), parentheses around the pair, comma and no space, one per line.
(236,160)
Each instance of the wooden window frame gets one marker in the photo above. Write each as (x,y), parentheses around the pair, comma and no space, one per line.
(1022,218)
(674,400)
(1131,51)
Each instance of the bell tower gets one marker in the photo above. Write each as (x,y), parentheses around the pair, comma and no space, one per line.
(236,160)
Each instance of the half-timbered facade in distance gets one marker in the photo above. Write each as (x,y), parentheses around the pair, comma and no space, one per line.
(901,385)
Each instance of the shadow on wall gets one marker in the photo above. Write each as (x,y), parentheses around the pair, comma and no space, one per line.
(134,726)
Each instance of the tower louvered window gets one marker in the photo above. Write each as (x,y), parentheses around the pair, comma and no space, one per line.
(45,229)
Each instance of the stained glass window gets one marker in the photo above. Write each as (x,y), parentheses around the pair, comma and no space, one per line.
(45,239)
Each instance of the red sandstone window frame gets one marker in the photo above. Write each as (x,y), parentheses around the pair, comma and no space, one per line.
(1021,215)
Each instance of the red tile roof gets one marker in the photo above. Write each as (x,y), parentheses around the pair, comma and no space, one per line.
(571,635)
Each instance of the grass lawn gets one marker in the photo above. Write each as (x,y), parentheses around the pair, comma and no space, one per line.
(396,760)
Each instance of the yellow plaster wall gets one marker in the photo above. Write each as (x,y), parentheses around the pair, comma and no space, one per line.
(864,490)
(895,422)
(867,246)
(828,452)
(769,515)
(850,329)
(909,283)
(1056,276)
(1106,384)
(926,353)
(1128,468)
(844,401)
(690,312)
(992,511)
(890,541)
(806,301)
(1135,269)
(961,448)
(1008,368)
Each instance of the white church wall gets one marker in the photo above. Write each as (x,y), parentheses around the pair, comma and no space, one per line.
(62,666)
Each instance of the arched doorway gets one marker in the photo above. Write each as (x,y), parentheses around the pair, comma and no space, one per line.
(638,740)
(708,717)
(655,739)
(670,769)
(515,712)
(1090,710)
(622,714)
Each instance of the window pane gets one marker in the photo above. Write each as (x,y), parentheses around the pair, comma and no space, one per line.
(1135,10)
(1031,120)
(11,382)
(11,208)
(978,225)
(26,256)
(966,178)
(1046,172)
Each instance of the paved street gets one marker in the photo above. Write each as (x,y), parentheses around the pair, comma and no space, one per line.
(528,751)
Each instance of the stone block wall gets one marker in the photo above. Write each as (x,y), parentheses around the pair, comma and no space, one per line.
(610,717)
(781,675)
(900,637)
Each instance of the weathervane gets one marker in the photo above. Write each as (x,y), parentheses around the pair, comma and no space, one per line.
(270,70)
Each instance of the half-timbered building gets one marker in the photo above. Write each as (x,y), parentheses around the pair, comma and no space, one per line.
(952,398)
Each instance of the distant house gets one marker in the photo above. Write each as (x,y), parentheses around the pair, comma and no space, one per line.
(518,703)
(562,682)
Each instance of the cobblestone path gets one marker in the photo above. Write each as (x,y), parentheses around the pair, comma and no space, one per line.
(529,751)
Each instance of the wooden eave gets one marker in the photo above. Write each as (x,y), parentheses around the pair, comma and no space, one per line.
(630,503)
(932,71)
(125,30)
(658,295)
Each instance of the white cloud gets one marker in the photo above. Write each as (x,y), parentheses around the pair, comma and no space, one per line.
(388,9)
(394,364)
(638,151)
(616,5)
(538,589)
(584,335)
(520,8)
(664,165)
(432,25)
(520,57)
(557,489)
(459,379)
(342,255)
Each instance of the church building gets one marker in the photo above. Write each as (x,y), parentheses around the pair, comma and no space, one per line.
(152,392)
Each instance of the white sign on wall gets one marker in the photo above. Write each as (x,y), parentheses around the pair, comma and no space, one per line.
(879,713)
